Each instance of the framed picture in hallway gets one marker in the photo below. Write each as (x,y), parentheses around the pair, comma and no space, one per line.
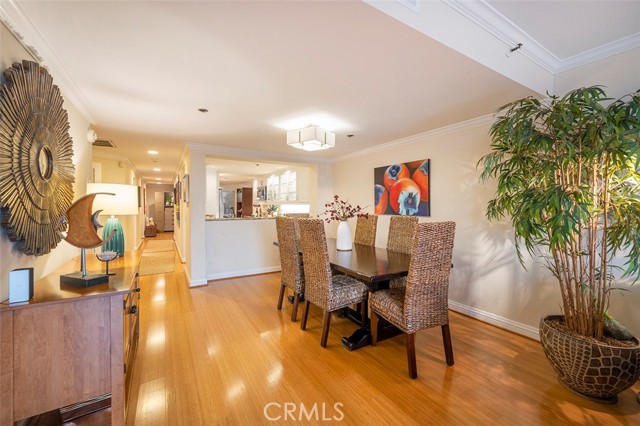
(403,189)
(185,188)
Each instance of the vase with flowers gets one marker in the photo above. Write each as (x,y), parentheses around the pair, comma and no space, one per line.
(341,211)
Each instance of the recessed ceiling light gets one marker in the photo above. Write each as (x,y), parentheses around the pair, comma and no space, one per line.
(156,169)
(152,152)
(203,110)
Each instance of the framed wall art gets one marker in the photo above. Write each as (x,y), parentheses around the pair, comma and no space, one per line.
(403,189)
(185,188)
(36,150)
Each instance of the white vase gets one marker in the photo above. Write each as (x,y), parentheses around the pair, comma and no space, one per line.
(343,238)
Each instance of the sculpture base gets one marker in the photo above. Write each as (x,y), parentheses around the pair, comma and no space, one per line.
(77,280)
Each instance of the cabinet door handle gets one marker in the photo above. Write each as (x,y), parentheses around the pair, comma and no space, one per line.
(133,310)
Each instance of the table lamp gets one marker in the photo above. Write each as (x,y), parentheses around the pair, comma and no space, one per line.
(124,202)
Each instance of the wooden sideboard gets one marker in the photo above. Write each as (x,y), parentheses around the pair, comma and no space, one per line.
(68,344)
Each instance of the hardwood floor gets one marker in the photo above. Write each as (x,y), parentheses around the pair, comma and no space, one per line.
(218,354)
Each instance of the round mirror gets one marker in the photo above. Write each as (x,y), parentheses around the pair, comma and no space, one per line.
(45,162)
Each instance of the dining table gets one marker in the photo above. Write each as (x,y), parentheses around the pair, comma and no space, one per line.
(375,267)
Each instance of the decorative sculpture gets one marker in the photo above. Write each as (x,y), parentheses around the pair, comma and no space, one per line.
(82,227)
(36,168)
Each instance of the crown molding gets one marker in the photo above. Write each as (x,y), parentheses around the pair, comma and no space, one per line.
(21,26)
(486,17)
(421,137)
(257,154)
(601,52)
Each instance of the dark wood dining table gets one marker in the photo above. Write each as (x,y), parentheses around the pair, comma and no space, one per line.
(375,267)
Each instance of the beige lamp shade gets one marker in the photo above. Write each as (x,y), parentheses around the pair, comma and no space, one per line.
(124,202)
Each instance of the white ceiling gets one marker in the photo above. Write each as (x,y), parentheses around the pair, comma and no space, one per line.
(140,70)
(570,27)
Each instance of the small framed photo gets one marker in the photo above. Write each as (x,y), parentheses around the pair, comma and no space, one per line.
(185,188)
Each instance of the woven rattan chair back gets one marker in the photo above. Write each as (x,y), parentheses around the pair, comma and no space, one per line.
(427,290)
(292,274)
(401,230)
(295,217)
(317,269)
(366,230)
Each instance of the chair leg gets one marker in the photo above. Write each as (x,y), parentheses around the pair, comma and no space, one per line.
(294,312)
(411,355)
(305,314)
(326,323)
(448,348)
(374,328)
(281,296)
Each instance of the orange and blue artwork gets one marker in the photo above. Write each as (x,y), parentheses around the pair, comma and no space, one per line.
(403,189)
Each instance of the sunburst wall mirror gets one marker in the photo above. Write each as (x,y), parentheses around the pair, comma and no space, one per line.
(36,167)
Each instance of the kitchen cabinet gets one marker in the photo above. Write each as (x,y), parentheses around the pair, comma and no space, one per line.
(244,202)
(168,219)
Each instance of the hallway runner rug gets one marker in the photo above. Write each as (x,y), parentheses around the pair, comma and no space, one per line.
(156,246)
(157,263)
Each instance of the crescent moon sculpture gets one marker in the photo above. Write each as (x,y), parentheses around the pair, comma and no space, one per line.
(81,232)
(82,224)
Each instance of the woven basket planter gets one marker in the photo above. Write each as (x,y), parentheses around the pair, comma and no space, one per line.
(596,371)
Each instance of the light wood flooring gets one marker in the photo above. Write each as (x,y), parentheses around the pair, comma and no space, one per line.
(218,354)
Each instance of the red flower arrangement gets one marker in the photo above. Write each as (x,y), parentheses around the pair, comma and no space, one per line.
(342,210)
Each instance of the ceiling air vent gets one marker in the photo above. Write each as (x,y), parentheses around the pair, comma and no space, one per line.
(105,143)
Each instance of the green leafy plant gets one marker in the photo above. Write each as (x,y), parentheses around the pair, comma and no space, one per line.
(567,171)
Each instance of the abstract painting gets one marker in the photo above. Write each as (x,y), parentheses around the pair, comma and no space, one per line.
(403,189)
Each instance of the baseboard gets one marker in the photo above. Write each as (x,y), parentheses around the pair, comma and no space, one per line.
(183,259)
(244,272)
(194,283)
(498,321)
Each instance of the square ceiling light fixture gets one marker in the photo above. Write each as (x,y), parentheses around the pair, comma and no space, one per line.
(311,138)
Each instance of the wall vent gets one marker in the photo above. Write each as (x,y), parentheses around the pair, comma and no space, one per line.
(105,143)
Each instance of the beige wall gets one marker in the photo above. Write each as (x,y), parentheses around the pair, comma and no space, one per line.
(620,74)
(487,281)
(10,258)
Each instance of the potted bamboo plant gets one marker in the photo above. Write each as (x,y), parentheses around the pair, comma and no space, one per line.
(567,171)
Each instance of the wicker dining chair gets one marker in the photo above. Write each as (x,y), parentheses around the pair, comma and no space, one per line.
(424,301)
(366,230)
(401,230)
(328,292)
(295,217)
(292,276)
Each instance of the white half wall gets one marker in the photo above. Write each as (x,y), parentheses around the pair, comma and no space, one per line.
(239,247)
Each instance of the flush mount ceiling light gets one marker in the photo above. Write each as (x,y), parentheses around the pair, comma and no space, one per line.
(311,138)
(152,152)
